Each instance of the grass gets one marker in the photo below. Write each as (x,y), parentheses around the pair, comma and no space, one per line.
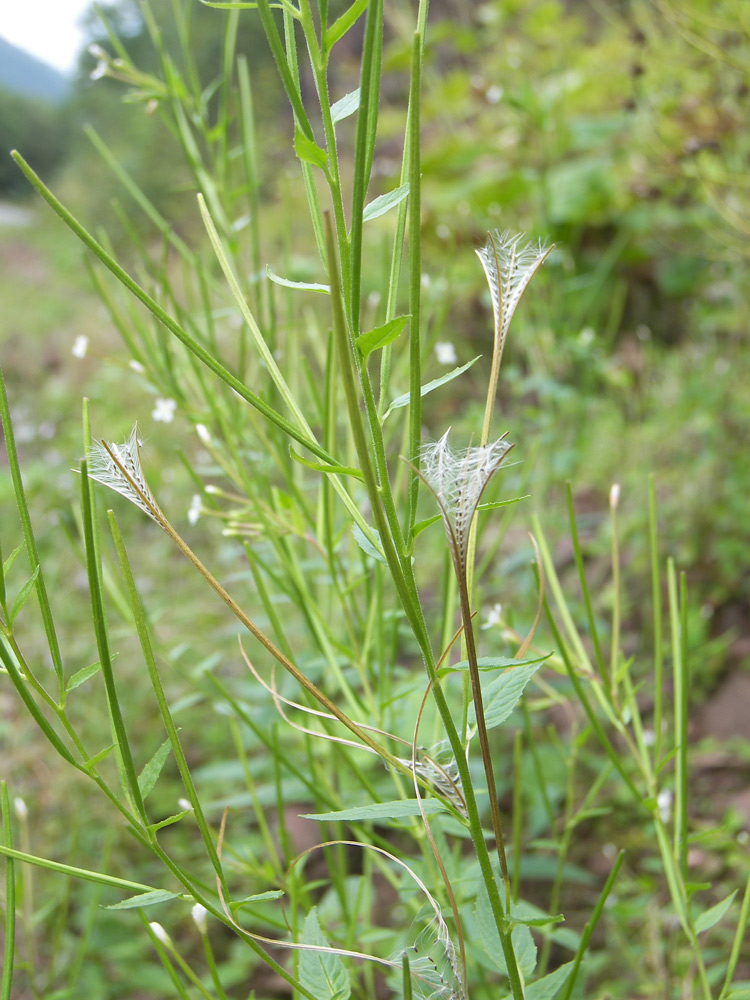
(191,758)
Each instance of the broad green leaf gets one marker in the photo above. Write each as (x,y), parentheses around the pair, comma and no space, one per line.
(429,386)
(144,899)
(346,106)
(381,336)
(385,202)
(80,676)
(366,545)
(23,595)
(523,942)
(150,773)
(549,986)
(339,470)
(340,27)
(714,914)
(308,151)
(399,809)
(494,663)
(308,286)
(322,973)
(503,694)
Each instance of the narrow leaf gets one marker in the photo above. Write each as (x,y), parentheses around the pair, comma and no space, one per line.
(23,595)
(80,676)
(91,763)
(322,973)
(400,401)
(82,873)
(258,897)
(381,336)
(144,899)
(339,470)
(385,202)
(308,151)
(340,27)
(150,773)
(308,286)
(714,914)
(420,526)
(374,811)
(346,106)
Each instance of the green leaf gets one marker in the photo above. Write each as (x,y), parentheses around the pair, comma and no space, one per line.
(340,27)
(494,504)
(308,151)
(258,897)
(503,694)
(374,811)
(714,914)
(523,942)
(98,757)
(494,663)
(339,470)
(322,973)
(429,386)
(420,526)
(6,565)
(549,986)
(346,106)
(80,676)
(366,545)
(308,286)
(144,899)
(23,595)
(150,773)
(384,203)
(169,821)
(381,336)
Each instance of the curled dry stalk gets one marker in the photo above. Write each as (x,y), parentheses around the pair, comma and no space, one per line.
(119,468)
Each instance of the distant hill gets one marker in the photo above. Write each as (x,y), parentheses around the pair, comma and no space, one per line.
(24,74)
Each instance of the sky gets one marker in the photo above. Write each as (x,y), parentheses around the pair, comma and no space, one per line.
(47,29)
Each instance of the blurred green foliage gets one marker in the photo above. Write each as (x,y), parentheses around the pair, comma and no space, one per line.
(37,126)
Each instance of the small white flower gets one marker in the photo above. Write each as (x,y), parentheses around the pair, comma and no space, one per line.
(664,804)
(614,496)
(649,737)
(198,913)
(184,804)
(443,232)
(22,810)
(494,94)
(426,280)
(203,433)
(137,367)
(494,616)
(164,410)
(160,933)
(80,346)
(195,509)
(445,353)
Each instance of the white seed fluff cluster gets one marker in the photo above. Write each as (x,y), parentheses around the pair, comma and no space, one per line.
(509,263)
(125,478)
(458,479)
